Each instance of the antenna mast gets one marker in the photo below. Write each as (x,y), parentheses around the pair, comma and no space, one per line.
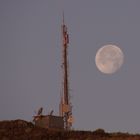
(65,105)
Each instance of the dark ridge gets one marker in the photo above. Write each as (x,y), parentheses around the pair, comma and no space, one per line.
(23,130)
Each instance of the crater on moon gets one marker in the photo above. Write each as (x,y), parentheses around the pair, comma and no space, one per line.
(109,59)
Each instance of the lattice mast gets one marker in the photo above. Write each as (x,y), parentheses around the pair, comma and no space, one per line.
(65,105)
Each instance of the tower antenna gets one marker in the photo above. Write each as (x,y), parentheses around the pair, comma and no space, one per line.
(63,18)
(65,105)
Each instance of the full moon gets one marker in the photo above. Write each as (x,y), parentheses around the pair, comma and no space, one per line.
(109,59)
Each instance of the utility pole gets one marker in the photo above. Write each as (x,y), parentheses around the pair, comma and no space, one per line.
(65,105)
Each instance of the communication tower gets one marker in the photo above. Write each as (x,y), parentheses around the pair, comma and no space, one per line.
(65,104)
(65,119)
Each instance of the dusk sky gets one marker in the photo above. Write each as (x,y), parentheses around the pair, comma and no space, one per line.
(31,57)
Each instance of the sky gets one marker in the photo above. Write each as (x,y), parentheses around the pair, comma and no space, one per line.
(31,57)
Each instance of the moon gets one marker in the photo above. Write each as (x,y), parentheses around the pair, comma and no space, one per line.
(109,59)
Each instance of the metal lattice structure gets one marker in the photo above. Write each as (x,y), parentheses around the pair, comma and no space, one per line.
(65,105)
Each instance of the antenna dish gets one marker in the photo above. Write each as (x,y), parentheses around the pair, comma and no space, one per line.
(51,112)
(70,119)
(40,111)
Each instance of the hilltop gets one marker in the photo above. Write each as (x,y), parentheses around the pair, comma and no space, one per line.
(23,130)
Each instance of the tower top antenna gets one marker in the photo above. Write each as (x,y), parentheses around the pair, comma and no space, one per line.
(63,18)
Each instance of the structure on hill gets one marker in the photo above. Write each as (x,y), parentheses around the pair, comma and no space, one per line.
(49,121)
(65,104)
(65,119)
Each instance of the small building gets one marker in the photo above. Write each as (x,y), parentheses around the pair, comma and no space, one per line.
(49,121)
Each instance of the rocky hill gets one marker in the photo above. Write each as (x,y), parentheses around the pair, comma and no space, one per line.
(22,130)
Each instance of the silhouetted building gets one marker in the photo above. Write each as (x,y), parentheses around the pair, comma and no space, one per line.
(49,121)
